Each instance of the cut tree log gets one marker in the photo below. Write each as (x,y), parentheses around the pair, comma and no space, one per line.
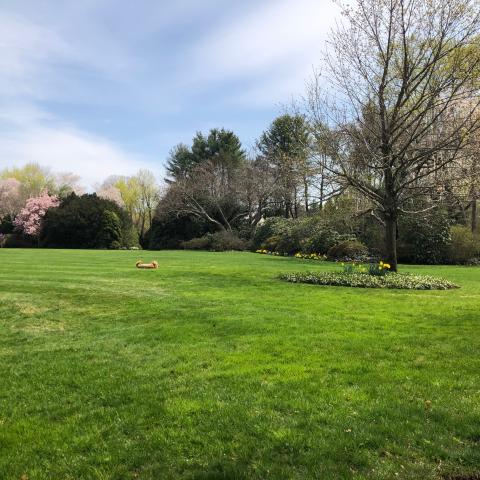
(140,264)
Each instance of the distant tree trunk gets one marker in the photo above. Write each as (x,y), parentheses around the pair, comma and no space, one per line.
(322,188)
(474,220)
(305,192)
(295,203)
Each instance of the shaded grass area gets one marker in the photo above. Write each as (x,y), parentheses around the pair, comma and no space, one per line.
(211,368)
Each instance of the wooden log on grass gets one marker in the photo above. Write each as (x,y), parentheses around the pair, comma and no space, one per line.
(140,264)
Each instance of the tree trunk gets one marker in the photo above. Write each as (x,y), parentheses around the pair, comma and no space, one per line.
(322,183)
(391,241)
(305,193)
(474,215)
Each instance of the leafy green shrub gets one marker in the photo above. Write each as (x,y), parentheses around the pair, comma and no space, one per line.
(16,240)
(348,250)
(267,229)
(223,241)
(110,233)
(6,225)
(289,236)
(217,242)
(200,243)
(424,238)
(464,246)
(86,221)
(391,280)
(318,236)
(168,231)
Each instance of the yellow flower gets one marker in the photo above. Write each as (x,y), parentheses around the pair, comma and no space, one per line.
(386,265)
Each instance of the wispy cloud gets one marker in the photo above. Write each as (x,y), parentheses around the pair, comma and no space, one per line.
(97,89)
(65,148)
(272,48)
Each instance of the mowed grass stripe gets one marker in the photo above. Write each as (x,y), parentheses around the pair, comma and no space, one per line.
(210,367)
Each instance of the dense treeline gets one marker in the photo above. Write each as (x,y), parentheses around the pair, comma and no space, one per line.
(384,148)
(38,208)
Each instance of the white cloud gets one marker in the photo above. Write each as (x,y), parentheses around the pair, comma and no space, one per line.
(63,148)
(61,61)
(276,33)
(42,62)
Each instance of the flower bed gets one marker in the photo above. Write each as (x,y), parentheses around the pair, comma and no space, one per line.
(302,256)
(361,280)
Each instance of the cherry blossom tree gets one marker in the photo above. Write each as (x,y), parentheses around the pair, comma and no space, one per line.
(29,220)
(110,192)
(10,197)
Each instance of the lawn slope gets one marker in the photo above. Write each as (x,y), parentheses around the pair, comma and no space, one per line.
(210,368)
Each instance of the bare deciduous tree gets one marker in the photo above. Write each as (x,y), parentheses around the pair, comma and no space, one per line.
(209,195)
(398,69)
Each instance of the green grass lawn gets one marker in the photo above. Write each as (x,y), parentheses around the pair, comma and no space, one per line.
(211,368)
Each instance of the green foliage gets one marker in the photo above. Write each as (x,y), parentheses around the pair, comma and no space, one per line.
(216,242)
(378,269)
(110,233)
(360,280)
(424,238)
(180,161)
(168,231)
(17,240)
(87,221)
(375,269)
(348,250)
(287,137)
(307,235)
(6,225)
(221,147)
(464,246)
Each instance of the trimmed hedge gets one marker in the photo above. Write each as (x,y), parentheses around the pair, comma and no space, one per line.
(405,281)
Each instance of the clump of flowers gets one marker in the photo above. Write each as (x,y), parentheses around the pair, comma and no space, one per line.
(352,268)
(379,269)
(374,269)
(310,256)
(267,252)
(29,220)
(302,256)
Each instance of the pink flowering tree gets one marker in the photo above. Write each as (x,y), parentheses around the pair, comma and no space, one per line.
(11,200)
(29,220)
(112,193)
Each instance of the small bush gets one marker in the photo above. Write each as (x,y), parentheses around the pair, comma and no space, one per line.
(289,236)
(360,280)
(201,243)
(424,238)
(464,246)
(6,225)
(223,241)
(348,250)
(16,240)
(217,242)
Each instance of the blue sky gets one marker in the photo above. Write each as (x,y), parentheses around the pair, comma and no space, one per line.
(101,87)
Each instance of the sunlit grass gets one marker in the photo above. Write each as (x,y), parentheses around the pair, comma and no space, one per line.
(211,367)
